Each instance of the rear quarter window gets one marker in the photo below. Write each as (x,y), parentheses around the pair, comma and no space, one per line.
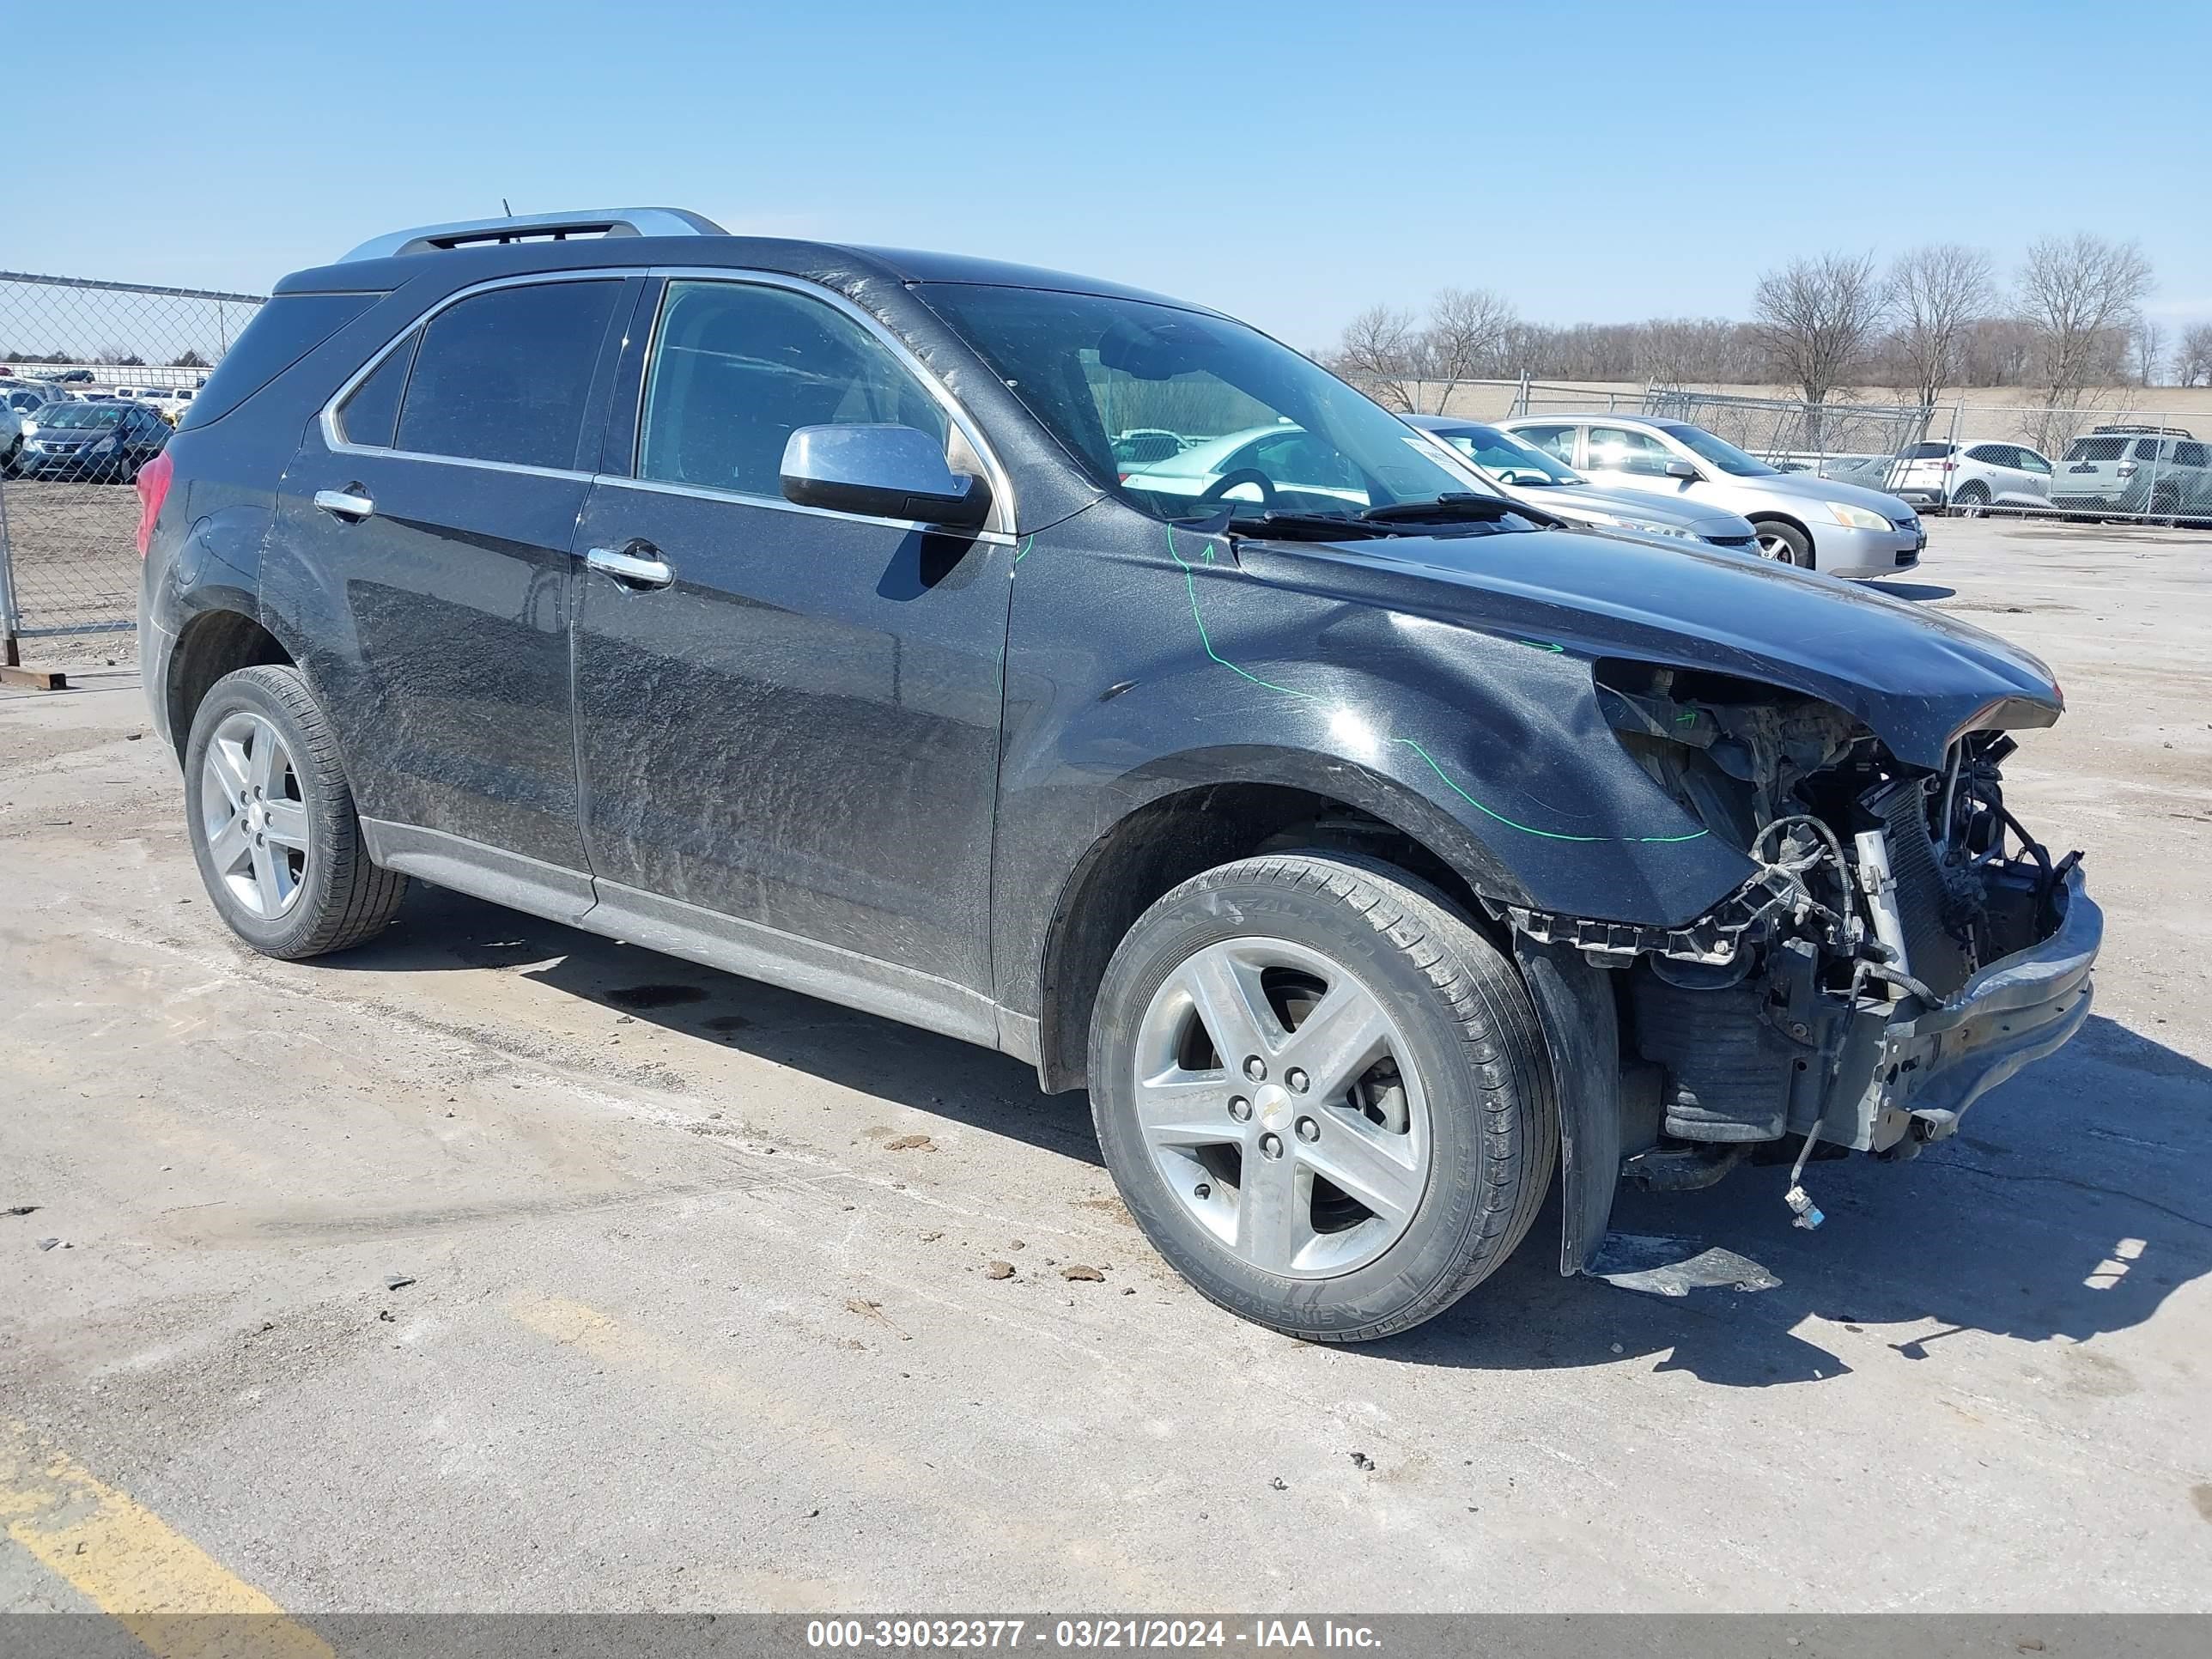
(284,330)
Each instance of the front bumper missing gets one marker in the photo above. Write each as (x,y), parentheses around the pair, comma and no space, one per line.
(1902,1075)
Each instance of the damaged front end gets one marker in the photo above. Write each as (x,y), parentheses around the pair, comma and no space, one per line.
(1904,945)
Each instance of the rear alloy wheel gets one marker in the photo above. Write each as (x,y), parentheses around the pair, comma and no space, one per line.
(271,820)
(1971,498)
(1784,544)
(1322,1094)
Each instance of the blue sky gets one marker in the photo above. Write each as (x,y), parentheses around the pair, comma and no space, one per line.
(1290,162)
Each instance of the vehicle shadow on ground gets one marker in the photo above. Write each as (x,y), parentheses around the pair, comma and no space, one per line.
(442,931)
(1915,590)
(2071,1204)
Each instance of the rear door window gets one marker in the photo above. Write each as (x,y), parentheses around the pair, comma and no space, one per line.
(1558,441)
(1618,449)
(505,375)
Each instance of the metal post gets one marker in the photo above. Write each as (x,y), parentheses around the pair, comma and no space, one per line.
(1958,412)
(11,655)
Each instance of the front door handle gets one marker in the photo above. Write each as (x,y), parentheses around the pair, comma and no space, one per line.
(347,504)
(640,564)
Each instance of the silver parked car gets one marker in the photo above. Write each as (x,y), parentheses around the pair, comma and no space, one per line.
(1816,523)
(21,406)
(1521,472)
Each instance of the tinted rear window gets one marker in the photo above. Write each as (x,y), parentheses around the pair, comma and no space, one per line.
(1927,451)
(2097,449)
(504,376)
(282,332)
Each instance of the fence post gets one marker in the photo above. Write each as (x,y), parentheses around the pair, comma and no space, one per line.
(11,655)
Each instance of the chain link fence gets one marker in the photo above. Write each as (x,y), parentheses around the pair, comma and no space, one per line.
(93,377)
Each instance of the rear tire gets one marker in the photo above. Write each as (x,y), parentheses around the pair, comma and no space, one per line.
(1784,544)
(271,820)
(1323,1095)
(1971,497)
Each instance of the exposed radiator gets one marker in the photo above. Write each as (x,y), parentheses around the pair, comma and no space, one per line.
(1926,909)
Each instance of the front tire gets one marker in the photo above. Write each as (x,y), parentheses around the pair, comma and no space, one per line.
(1784,544)
(271,820)
(1322,1094)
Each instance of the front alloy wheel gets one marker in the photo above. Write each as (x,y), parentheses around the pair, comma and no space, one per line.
(1283,1108)
(1322,1093)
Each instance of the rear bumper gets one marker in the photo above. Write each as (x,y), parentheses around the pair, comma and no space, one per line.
(1921,1070)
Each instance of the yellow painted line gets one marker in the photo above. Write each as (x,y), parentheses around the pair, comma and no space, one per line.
(133,1565)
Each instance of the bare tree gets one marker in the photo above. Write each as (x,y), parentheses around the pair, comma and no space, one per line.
(1468,331)
(1379,351)
(2192,359)
(1817,319)
(2080,293)
(2148,341)
(1937,293)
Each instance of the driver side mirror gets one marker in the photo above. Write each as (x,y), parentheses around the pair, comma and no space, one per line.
(883,471)
(1683,470)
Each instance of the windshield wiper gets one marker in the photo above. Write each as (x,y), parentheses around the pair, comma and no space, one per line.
(1303,526)
(1460,505)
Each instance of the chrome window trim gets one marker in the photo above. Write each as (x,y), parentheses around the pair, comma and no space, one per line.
(999,532)
(740,498)
(334,438)
(1003,516)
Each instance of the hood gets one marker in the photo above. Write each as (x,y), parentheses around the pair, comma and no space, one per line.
(1698,516)
(1914,677)
(1830,489)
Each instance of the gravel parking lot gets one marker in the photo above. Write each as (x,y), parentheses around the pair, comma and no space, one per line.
(498,1267)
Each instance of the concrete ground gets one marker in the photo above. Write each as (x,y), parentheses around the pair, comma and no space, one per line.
(695,1311)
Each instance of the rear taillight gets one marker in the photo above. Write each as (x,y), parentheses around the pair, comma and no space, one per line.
(1950,466)
(152,489)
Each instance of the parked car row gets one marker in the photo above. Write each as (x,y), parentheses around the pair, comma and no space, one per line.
(82,440)
(1800,519)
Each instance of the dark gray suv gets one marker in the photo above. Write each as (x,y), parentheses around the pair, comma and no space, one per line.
(1372,852)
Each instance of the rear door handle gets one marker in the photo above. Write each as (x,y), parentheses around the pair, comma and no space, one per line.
(638,565)
(345,504)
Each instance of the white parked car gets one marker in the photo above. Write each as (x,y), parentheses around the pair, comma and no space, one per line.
(1963,477)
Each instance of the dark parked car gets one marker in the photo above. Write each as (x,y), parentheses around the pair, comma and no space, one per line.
(1369,852)
(93,442)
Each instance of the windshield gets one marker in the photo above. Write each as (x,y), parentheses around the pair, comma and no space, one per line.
(1256,429)
(85,414)
(1721,453)
(1507,456)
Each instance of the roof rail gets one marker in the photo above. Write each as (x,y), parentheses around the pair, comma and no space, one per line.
(538,227)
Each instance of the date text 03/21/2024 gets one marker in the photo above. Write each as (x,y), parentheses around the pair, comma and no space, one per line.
(956,1634)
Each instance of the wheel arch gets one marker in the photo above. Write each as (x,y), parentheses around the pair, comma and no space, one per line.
(1193,824)
(218,641)
(1775,515)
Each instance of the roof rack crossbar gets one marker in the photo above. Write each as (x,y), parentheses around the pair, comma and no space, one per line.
(538,226)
